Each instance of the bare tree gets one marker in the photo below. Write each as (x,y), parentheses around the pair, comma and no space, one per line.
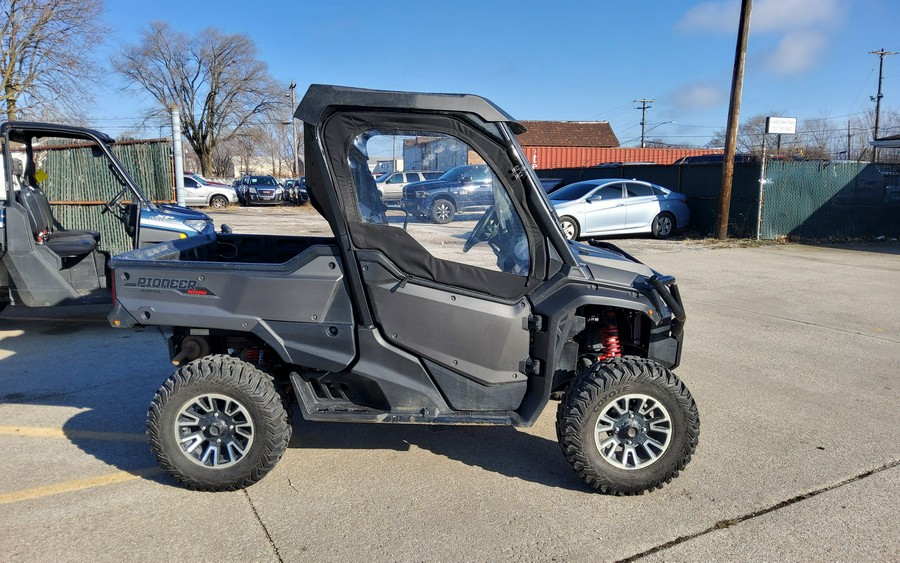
(45,54)
(215,79)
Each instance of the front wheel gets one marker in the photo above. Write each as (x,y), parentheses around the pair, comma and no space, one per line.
(442,211)
(627,425)
(218,202)
(218,424)
(569,227)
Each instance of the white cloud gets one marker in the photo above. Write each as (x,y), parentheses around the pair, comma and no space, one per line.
(699,95)
(766,15)
(797,51)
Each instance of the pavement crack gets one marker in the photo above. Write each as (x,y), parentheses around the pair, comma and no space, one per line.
(262,524)
(729,522)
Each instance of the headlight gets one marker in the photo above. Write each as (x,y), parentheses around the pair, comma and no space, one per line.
(197,224)
(252,190)
(422,195)
(279,190)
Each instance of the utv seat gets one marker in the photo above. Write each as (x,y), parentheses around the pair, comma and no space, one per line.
(71,245)
(54,229)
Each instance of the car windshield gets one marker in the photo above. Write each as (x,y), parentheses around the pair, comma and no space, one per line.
(383,178)
(460,172)
(199,179)
(263,180)
(573,191)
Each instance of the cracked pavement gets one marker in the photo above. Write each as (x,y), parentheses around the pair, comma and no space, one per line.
(791,353)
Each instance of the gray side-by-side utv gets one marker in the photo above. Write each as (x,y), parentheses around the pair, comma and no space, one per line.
(396,319)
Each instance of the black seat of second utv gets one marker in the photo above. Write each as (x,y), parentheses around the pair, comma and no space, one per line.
(72,245)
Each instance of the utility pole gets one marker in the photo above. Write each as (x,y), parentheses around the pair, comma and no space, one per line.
(848,140)
(296,170)
(877,98)
(644,107)
(734,111)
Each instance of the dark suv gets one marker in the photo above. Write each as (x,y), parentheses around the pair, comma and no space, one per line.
(464,189)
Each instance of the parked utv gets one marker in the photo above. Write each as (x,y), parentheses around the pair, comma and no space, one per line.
(43,262)
(396,321)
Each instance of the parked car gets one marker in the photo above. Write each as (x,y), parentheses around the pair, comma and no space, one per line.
(464,189)
(197,192)
(391,185)
(295,191)
(261,190)
(614,207)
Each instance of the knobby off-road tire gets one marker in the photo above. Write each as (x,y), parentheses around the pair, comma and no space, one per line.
(627,425)
(218,424)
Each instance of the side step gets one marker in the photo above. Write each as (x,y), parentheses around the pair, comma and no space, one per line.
(333,398)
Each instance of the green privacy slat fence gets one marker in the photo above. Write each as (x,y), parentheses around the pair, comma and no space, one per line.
(831,199)
(802,199)
(75,176)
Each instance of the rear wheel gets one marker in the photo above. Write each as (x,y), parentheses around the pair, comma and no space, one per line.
(442,211)
(663,225)
(218,202)
(218,424)
(569,227)
(627,425)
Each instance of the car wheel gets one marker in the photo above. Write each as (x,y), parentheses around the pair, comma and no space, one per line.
(218,424)
(663,225)
(569,227)
(627,425)
(218,202)
(442,211)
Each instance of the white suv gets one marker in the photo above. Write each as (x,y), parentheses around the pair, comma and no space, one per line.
(200,192)
(390,185)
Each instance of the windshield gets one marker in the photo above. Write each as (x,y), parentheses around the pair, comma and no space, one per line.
(460,172)
(573,191)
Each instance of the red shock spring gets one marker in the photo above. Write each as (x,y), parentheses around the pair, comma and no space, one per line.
(609,336)
(251,355)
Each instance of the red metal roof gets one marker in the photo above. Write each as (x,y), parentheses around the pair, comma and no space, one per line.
(579,157)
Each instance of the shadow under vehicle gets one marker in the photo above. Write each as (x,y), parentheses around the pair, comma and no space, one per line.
(465,322)
(43,262)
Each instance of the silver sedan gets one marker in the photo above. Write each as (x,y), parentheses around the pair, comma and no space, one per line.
(617,207)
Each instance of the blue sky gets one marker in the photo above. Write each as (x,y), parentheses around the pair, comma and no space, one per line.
(575,60)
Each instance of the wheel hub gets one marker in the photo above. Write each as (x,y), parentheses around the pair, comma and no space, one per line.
(633,431)
(214,430)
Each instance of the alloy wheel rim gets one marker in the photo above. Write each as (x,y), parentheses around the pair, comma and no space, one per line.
(442,211)
(665,225)
(633,431)
(214,431)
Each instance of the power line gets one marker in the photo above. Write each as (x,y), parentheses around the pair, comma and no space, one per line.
(645,105)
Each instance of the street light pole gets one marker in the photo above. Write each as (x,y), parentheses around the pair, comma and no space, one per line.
(294,130)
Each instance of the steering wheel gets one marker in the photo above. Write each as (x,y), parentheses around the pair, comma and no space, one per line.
(110,206)
(485,229)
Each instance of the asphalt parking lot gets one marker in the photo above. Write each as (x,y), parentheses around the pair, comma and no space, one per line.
(791,352)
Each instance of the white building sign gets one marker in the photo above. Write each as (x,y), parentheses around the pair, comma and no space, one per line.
(781,125)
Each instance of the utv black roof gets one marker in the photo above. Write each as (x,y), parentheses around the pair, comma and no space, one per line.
(20,131)
(320,97)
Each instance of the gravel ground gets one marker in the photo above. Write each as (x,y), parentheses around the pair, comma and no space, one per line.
(304,220)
